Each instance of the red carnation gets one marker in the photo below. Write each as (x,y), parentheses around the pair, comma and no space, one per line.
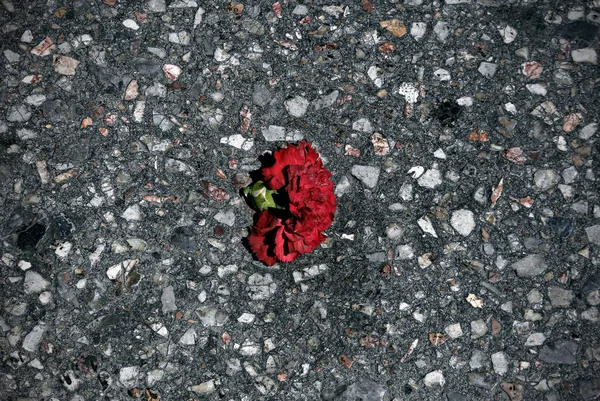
(294,228)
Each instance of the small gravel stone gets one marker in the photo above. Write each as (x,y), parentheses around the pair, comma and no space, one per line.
(157,6)
(479,360)
(418,30)
(559,297)
(530,266)
(587,55)
(478,328)
(535,339)
(133,213)
(128,376)
(435,378)
(226,217)
(297,106)
(488,70)
(588,131)
(189,337)
(463,221)
(363,125)
(368,175)
(431,179)
(454,330)
(32,340)
(168,300)
(34,283)
(593,234)
(500,363)
(543,180)
(394,231)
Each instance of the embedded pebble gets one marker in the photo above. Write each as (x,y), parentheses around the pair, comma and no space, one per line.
(368,175)
(463,221)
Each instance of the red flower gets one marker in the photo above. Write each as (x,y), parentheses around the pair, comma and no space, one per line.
(299,173)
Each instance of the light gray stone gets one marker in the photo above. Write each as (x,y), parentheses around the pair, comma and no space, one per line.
(34,283)
(545,179)
(431,179)
(273,133)
(588,131)
(433,379)
(226,217)
(479,360)
(593,234)
(133,213)
(488,70)
(394,231)
(32,340)
(296,106)
(368,175)
(478,328)
(535,339)
(530,266)
(560,297)
(157,6)
(128,376)
(168,300)
(587,55)
(463,221)
(500,363)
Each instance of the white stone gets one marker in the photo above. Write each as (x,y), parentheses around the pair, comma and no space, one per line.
(35,100)
(273,133)
(394,231)
(204,388)
(500,363)
(63,249)
(427,226)
(441,75)
(478,328)
(463,221)
(465,101)
(34,337)
(368,175)
(486,69)
(227,270)
(588,131)
(27,37)
(431,179)
(35,283)
(246,318)
(508,34)
(226,217)
(545,179)
(439,154)
(181,38)
(535,339)
(435,378)
(409,91)
(238,141)
(537,89)
(363,125)
(374,73)
(45,297)
(168,300)
(189,337)
(442,30)
(454,330)
(133,213)
(128,376)
(211,316)
(131,24)
(250,348)
(418,30)
(183,4)
(198,16)
(115,271)
(587,55)
(297,106)
(157,6)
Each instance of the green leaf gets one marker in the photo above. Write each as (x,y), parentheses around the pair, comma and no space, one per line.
(261,196)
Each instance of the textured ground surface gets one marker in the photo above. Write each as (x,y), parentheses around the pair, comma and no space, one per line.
(462,138)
